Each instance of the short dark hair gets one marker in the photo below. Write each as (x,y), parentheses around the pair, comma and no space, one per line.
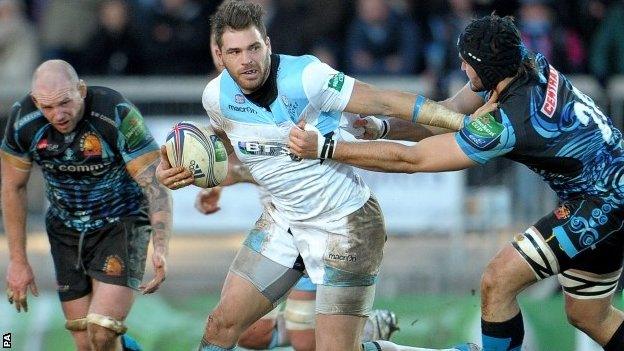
(237,15)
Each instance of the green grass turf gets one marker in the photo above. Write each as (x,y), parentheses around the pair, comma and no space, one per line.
(426,321)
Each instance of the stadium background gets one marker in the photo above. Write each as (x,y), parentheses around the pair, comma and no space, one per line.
(442,227)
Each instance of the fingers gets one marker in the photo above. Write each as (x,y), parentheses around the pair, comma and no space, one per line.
(209,209)
(493,97)
(154,284)
(210,203)
(33,289)
(172,177)
(22,304)
(301,124)
(180,183)
(297,132)
(160,273)
(294,148)
(175,178)
(18,298)
(216,191)
(164,159)
(20,301)
(360,122)
(489,107)
(150,287)
(9,295)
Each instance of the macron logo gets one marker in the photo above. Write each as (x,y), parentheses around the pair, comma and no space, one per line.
(550,102)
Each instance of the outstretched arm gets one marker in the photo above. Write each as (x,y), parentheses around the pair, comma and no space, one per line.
(367,99)
(450,115)
(435,154)
(143,170)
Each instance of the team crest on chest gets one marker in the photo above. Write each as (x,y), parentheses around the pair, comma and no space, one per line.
(90,145)
(239,98)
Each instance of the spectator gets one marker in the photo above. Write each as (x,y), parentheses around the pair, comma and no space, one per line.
(282,17)
(588,16)
(65,28)
(561,46)
(19,53)
(324,31)
(442,62)
(607,50)
(116,48)
(380,41)
(179,40)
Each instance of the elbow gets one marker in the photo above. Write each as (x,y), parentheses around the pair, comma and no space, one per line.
(409,163)
(409,168)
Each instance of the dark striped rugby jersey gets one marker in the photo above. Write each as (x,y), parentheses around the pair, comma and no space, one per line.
(87,182)
(557,131)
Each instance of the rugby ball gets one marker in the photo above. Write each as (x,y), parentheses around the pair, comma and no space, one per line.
(200,150)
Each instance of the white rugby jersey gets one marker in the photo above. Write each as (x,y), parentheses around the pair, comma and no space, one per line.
(306,88)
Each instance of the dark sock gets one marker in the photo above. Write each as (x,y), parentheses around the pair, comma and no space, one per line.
(617,340)
(507,335)
(371,346)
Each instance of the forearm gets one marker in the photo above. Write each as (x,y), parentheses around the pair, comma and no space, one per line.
(369,100)
(403,130)
(381,156)
(439,153)
(14,216)
(159,200)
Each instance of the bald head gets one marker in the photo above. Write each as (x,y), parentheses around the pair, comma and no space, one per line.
(59,94)
(54,73)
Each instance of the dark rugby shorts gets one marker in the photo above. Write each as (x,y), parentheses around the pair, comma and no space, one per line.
(114,254)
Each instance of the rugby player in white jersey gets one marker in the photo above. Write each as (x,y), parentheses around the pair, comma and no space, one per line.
(291,323)
(323,218)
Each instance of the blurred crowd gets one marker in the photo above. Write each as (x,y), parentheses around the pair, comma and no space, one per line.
(359,37)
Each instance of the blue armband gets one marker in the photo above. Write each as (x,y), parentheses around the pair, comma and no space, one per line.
(420,100)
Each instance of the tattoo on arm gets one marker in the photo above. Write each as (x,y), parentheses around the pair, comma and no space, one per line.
(159,200)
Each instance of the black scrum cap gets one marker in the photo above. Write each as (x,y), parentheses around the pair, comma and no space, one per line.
(493,47)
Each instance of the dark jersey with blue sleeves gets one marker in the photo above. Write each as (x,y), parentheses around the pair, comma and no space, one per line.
(87,183)
(544,122)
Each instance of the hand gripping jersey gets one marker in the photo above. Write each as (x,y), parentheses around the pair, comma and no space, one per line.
(298,87)
(87,182)
(557,131)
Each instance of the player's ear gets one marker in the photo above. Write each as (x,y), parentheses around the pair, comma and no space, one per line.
(218,53)
(267,41)
(82,88)
(34,100)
